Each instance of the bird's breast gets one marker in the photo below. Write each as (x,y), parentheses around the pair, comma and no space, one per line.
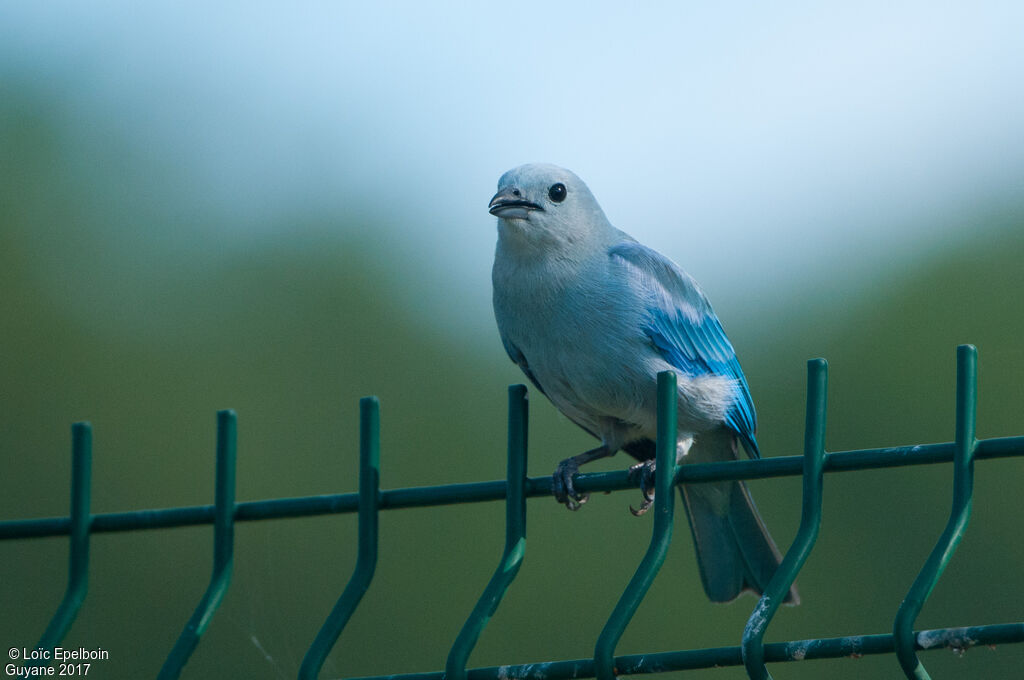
(581,336)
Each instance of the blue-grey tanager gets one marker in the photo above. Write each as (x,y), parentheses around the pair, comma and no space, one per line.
(591,316)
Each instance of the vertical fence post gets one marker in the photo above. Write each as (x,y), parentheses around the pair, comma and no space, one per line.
(366,561)
(664,507)
(223,547)
(810,523)
(78,562)
(963,485)
(515,538)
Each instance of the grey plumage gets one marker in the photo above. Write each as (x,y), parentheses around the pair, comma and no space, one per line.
(591,316)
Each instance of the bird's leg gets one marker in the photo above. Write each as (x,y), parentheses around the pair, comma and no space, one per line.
(562,481)
(646,472)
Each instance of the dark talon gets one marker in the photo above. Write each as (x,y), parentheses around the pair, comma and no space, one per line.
(563,487)
(642,510)
(646,472)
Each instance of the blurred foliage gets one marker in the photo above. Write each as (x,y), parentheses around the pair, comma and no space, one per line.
(121,305)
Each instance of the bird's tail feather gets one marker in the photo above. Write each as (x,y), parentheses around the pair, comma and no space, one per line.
(735,553)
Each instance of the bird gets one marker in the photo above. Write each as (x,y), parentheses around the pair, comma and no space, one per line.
(591,316)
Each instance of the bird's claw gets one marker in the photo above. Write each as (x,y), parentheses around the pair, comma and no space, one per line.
(646,472)
(563,486)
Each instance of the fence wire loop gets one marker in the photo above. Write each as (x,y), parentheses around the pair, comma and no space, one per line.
(515,538)
(223,548)
(661,534)
(810,523)
(366,558)
(963,487)
(78,530)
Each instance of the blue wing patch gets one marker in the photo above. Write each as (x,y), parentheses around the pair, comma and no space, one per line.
(686,332)
(701,348)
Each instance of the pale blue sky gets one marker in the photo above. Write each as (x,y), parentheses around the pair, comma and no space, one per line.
(737,138)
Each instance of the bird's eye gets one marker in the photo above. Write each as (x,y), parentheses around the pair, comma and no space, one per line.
(557,192)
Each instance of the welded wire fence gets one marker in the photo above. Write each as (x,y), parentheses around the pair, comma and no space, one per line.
(904,642)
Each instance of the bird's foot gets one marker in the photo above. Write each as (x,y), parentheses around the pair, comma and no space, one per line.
(646,472)
(563,487)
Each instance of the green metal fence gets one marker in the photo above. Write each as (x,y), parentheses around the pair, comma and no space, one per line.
(752,653)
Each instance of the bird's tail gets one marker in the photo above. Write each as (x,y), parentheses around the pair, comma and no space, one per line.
(735,553)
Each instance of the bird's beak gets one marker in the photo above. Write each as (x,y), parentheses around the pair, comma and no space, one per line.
(509,204)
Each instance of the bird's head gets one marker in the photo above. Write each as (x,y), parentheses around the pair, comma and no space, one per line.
(545,205)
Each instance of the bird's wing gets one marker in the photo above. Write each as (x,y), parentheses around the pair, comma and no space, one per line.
(520,360)
(685,331)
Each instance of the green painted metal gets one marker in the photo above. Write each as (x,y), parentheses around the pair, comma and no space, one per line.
(810,523)
(494,490)
(366,559)
(223,547)
(720,657)
(753,653)
(661,536)
(78,562)
(515,537)
(960,515)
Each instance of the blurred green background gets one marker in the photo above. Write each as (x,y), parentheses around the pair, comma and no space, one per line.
(157,265)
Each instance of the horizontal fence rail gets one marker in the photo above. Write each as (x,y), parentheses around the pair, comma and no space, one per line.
(477,492)
(752,653)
